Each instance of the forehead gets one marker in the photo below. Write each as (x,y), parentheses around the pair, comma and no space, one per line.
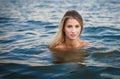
(71,21)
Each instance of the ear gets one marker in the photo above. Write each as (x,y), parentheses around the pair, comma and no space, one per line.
(63,30)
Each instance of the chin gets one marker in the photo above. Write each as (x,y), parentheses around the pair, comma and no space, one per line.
(73,38)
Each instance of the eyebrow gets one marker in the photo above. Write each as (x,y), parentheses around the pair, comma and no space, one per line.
(71,24)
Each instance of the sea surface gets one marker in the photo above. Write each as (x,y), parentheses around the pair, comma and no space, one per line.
(28,26)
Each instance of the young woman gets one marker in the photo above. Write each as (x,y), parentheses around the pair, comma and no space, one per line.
(70,29)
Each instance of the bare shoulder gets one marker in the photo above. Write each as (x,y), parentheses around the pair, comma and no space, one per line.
(60,46)
(84,43)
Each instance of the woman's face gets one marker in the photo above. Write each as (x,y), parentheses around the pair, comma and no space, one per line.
(72,29)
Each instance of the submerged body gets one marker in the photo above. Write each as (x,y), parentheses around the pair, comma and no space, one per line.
(71,55)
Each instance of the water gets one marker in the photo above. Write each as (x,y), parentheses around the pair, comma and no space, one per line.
(27,27)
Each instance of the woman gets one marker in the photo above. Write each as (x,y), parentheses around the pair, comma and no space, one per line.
(70,29)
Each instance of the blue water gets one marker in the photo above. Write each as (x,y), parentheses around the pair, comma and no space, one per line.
(28,26)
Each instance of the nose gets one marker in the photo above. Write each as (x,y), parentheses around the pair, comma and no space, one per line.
(73,30)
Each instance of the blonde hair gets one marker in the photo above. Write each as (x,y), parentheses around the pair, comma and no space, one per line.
(60,36)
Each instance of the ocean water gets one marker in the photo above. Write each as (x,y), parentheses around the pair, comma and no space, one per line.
(28,26)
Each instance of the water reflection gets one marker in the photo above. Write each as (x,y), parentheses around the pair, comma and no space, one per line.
(71,55)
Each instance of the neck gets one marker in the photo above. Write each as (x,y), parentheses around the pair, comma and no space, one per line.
(72,43)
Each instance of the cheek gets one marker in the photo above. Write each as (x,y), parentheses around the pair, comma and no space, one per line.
(67,31)
(78,30)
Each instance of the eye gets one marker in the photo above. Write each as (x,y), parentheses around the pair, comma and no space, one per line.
(77,26)
(69,26)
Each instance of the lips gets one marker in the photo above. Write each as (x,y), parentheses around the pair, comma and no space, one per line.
(73,35)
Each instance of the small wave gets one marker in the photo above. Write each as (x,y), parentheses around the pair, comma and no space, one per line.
(38,22)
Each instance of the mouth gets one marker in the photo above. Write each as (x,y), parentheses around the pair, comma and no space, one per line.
(73,35)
